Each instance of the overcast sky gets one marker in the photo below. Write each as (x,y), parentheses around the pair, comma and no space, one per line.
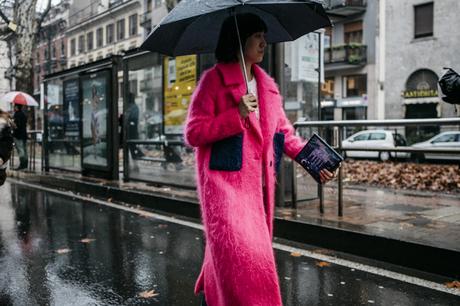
(41,4)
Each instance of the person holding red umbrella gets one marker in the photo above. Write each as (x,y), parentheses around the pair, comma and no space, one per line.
(20,136)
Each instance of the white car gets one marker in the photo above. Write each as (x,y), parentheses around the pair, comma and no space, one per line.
(375,139)
(445,140)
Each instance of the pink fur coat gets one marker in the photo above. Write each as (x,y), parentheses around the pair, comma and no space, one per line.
(233,157)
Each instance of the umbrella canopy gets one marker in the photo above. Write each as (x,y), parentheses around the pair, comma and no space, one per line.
(17,97)
(193,26)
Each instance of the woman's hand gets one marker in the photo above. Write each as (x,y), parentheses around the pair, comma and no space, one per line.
(247,105)
(325,175)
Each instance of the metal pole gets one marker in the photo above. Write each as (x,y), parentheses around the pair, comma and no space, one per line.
(340,194)
(320,187)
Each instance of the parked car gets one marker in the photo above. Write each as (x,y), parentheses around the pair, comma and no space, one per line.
(445,140)
(375,139)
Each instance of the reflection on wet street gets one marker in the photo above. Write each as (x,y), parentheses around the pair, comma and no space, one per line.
(59,251)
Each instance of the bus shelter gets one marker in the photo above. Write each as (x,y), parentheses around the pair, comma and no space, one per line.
(81,119)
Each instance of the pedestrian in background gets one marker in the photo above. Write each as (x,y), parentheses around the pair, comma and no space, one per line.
(132,115)
(239,139)
(20,136)
(6,143)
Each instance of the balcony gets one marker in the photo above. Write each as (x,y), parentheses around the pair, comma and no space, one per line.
(345,8)
(348,55)
(146,20)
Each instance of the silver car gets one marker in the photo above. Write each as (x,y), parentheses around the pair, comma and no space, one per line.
(446,140)
(375,139)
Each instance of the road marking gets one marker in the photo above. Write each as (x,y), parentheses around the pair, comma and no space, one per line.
(322,257)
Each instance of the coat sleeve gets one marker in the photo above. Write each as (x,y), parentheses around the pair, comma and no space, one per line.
(293,144)
(203,125)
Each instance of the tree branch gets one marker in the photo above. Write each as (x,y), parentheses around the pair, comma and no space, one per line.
(5,19)
(4,30)
(43,16)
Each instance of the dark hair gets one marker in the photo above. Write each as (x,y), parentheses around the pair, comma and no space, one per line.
(228,47)
(18,106)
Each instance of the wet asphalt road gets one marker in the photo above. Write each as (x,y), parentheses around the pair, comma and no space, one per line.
(55,250)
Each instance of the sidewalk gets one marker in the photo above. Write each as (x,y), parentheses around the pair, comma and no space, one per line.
(421,217)
(378,223)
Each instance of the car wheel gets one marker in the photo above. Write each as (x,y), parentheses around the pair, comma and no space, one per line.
(384,156)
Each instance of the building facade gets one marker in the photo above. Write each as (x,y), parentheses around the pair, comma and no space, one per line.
(102,28)
(420,41)
(51,51)
(349,91)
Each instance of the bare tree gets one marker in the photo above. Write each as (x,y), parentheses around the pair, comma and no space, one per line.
(23,31)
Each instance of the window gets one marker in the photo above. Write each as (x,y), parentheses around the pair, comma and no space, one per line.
(121,29)
(132,25)
(47,56)
(355,85)
(38,57)
(90,40)
(99,38)
(62,48)
(361,137)
(422,79)
(445,138)
(81,44)
(149,6)
(72,47)
(53,51)
(327,37)
(327,88)
(423,23)
(109,34)
(378,136)
(353,32)
(158,3)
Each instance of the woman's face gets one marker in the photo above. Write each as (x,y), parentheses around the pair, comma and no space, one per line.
(255,47)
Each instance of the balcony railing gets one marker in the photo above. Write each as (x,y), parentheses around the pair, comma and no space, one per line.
(146,20)
(346,8)
(348,54)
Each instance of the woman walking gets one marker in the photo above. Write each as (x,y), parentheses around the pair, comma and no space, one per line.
(239,140)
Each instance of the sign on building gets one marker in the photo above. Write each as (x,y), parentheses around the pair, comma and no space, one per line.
(307,52)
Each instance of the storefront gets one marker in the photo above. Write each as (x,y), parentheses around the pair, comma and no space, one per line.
(421,101)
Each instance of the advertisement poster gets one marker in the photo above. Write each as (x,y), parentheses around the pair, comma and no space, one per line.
(95,112)
(305,56)
(53,93)
(180,81)
(71,108)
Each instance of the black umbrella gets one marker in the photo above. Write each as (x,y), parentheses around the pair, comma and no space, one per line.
(193,26)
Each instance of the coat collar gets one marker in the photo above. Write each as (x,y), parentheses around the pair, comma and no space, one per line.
(232,74)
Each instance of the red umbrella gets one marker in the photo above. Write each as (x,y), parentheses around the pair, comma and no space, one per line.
(17,97)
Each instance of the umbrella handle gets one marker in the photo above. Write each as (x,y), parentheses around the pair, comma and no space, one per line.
(245,75)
